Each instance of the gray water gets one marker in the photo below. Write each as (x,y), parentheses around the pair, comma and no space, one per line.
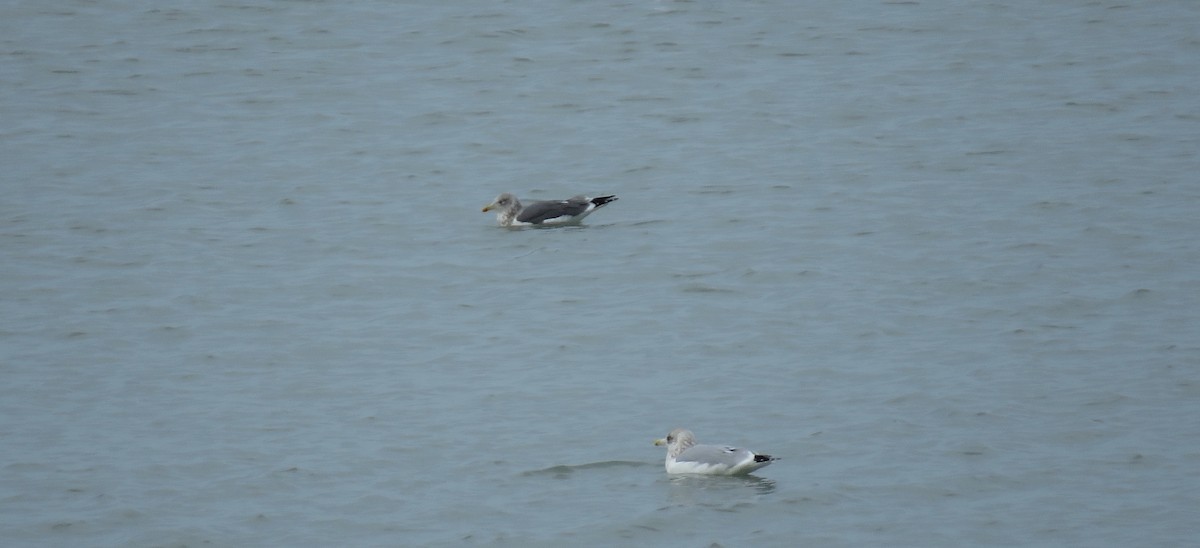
(940,257)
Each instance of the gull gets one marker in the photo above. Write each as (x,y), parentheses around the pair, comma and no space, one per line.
(685,457)
(510,212)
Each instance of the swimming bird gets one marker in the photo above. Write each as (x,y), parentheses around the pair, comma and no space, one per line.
(685,457)
(510,212)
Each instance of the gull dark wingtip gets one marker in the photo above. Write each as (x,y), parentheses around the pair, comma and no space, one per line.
(601,200)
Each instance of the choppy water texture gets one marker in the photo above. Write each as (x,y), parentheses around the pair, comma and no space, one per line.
(940,257)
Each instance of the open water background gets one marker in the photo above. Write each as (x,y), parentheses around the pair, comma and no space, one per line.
(940,257)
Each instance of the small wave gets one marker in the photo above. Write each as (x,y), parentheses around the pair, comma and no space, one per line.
(565,469)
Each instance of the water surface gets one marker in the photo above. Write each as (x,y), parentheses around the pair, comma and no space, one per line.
(939,257)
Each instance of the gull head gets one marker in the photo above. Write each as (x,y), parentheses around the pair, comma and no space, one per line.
(502,202)
(677,441)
